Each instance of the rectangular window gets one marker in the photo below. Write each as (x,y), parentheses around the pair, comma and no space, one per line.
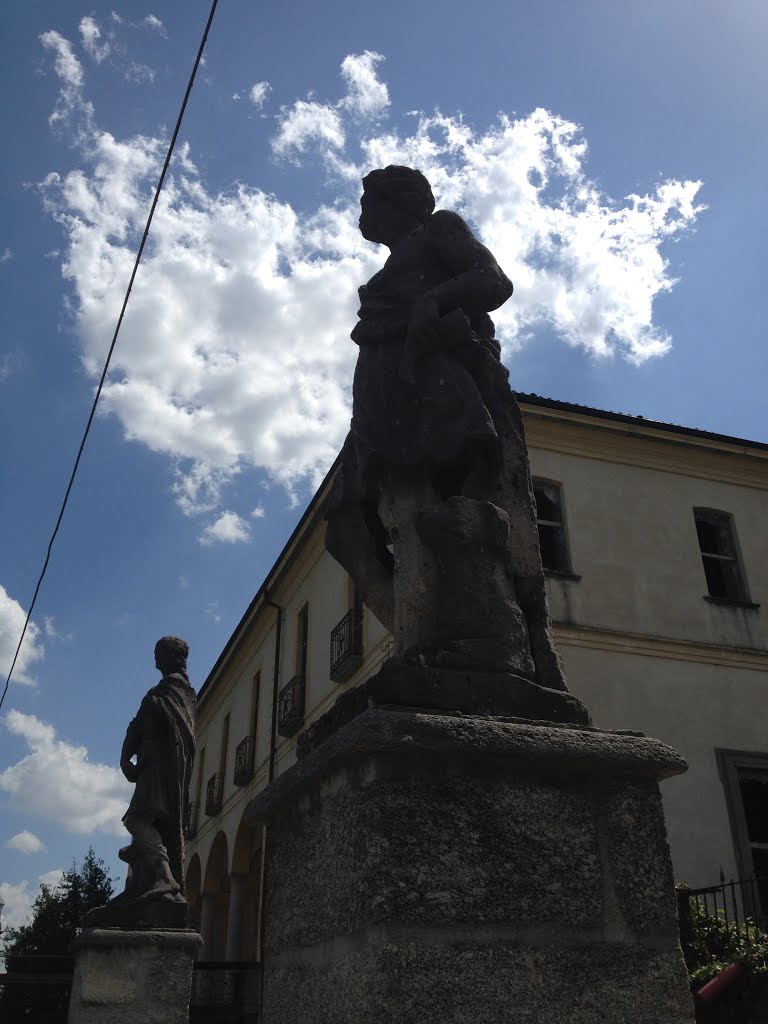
(719,554)
(255,704)
(745,778)
(302,642)
(551,525)
(224,747)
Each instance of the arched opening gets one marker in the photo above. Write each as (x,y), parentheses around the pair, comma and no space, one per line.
(244,932)
(215,901)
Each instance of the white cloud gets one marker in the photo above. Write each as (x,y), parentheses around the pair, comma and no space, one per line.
(93,44)
(367,95)
(259,512)
(12,617)
(228,527)
(151,21)
(25,842)
(235,351)
(57,782)
(139,74)
(19,897)
(6,255)
(307,122)
(258,93)
(71,111)
(9,363)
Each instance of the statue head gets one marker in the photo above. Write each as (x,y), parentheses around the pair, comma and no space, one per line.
(395,200)
(171,653)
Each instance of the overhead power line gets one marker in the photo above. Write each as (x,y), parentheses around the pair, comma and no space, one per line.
(104,372)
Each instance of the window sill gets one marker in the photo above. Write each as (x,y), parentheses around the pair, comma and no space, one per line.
(555,574)
(729,603)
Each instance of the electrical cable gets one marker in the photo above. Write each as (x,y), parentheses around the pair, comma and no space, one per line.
(139,254)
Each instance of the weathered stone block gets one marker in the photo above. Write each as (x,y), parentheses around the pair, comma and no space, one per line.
(132,977)
(426,867)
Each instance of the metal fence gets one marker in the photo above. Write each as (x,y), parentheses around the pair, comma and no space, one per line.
(736,907)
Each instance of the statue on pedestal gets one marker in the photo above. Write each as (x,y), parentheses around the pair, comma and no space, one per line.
(433,509)
(162,739)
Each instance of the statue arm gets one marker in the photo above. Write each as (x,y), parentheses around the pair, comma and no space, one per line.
(477,283)
(130,747)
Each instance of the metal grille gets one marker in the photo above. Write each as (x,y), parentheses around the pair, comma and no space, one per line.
(191,819)
(290,707)
(213,794)
(347,646)
(244,756)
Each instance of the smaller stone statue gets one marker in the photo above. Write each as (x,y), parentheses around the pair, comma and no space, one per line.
(162,739)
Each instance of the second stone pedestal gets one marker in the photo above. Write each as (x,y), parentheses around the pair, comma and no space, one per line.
(425,867)
(142,976)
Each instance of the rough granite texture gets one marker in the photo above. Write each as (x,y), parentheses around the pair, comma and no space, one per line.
(132,977)
(436,868)
(417,984)
(431,850)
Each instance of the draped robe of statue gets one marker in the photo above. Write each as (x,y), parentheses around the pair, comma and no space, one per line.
(431,424)
(162,736)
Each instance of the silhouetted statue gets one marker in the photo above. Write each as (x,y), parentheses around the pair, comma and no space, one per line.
(162,739)
(434,419)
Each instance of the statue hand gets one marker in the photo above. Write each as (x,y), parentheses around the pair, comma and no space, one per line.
(130,770)
(424,326)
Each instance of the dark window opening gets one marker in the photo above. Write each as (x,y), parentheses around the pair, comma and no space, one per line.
(551,526)
(719,555)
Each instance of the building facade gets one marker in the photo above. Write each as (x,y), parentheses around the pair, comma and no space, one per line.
(654,542)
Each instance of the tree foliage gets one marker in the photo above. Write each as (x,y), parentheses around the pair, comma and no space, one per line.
(29,948)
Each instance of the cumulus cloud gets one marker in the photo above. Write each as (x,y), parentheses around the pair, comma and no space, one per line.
(25,842)
(235,350)
(258,512)
(366,94)
(19,897)
(12,617)
(258,93)
(228,527)
(6,255)
(57,782)
(71,111)
(94,45)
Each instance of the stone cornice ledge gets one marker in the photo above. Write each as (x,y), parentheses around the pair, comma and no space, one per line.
(535,745)
(138,937)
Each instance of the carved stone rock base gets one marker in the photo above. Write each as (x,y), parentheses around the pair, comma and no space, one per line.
(132,977)
(448,868)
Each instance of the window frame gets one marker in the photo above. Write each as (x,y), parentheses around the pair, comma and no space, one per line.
(719,518)
(728,764)
(566,572)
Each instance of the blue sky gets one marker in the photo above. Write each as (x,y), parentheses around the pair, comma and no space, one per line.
(610,154)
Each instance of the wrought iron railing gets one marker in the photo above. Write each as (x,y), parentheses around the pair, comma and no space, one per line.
(191,819)
(739,906)
(290,707)
(244,757)
(347,646)
(213,794)
(225,992)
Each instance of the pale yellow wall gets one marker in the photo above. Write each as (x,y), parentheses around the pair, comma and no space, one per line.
(642,647)
(633,540)
(696,708)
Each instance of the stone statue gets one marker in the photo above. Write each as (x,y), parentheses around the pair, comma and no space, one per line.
(434,473)
(162,739)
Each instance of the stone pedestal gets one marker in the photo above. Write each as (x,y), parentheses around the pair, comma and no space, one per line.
(132,977)
(432,867)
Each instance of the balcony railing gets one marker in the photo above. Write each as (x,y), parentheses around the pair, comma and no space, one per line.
(244,756)
(347,646)
(191,818)
(213,794)
(290,707)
